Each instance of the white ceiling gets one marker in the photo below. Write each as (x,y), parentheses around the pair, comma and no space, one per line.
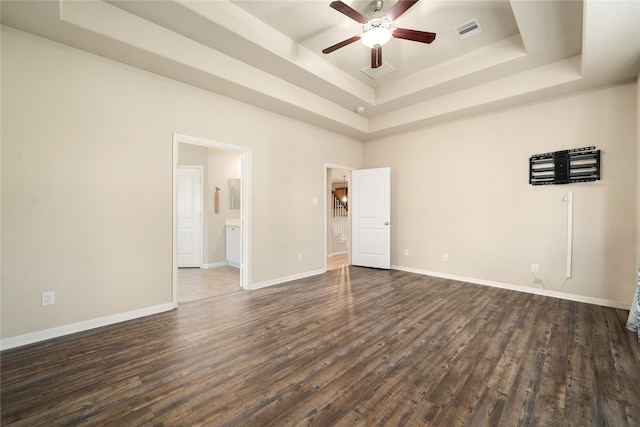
(268,53)
(316,26)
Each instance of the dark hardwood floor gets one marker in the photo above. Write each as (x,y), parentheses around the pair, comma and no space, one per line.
(351,347)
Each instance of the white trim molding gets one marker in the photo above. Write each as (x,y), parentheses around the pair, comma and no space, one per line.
(47,334)
(544,292)
(286,279)
(214,265)
(337,253)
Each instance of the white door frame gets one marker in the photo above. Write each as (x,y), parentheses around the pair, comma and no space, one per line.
(327,184)
(245,205)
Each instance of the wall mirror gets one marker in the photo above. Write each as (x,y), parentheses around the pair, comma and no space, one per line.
(234,193)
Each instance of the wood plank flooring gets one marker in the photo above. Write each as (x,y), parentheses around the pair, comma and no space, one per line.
(352,347)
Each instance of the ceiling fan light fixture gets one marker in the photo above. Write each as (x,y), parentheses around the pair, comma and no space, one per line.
(376,33)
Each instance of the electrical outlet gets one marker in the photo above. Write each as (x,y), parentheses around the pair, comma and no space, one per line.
(406,252)
(445,257)
(48,298)
(534,268)
(299,257)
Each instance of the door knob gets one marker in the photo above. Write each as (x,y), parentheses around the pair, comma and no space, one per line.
(386,223)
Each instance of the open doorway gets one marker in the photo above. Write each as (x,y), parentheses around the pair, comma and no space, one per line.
(222,212)
(338,219)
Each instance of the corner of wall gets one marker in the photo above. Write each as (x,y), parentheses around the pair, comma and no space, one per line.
(638,168)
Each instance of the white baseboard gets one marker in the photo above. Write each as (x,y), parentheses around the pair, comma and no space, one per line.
(337,253)
(21,340)
(544,292)
(285,279)
(214,265)
(73,328)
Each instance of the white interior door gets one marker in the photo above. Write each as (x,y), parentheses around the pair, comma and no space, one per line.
(189,193)
(371,217)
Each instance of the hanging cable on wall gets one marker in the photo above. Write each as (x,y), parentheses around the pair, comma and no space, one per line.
(569,199)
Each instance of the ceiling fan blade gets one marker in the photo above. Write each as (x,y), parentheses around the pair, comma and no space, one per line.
(415,35)
(343,43)
(349,11)
(399,8)
(376,56)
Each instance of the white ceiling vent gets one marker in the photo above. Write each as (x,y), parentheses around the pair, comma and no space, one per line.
(468,29)
(376,73)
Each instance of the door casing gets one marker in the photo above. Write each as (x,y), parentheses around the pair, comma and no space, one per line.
(327,193)
(245,205)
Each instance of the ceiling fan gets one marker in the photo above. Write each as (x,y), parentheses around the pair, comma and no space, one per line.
(378,31)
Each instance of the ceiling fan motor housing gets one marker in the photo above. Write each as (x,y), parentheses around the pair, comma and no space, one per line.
(376,5)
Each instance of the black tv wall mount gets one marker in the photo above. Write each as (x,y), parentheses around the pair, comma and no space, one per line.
(565,167)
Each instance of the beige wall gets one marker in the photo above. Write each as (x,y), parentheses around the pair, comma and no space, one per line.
(87,183)
(222,166)
(462,188)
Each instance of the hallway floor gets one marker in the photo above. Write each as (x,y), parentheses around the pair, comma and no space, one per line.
(337,261)
(197,283)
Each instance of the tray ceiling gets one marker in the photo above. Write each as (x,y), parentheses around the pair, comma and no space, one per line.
(268,53)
